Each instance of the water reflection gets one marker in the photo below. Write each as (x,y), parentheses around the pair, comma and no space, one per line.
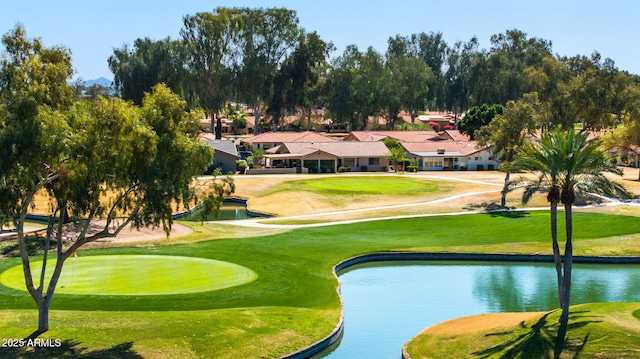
(387,304)
(515,288)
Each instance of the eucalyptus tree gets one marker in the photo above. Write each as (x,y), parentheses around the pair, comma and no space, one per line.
(550,81)
(500,77)
(211,48)
(458,77)
(269,36)
(430,48)
(408,87)
(138,68)
(580,90)
(299,75)
(93,159)
(373,76)
(340,88)
(356,85)
(597,92)
(32,79)
(566,164)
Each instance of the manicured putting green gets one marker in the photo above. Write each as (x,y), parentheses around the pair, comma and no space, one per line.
(369,185)
(136,275)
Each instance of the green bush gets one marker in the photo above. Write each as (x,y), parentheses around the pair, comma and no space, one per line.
(343,169)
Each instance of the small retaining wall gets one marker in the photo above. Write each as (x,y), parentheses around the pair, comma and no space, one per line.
(236,200)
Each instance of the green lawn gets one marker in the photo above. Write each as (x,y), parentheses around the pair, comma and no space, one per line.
(361,185)
(293,302)
(369,185)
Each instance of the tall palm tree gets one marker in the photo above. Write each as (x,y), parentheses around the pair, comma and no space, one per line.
(566,164)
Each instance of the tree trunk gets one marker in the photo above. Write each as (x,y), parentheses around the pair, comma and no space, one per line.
(218,128)
(556,250)
(503,199)
(568,265)
(43,314)
(213,123)
(256,118)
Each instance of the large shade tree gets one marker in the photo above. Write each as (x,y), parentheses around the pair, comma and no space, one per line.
(211,49)
(136,69)
(103,159)
(356,87)
(432,50)
(269,36)
(565,164)
(298,77)
(407,88)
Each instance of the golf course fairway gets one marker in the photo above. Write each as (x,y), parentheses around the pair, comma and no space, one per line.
(136,275)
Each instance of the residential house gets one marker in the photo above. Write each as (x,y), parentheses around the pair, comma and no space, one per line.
(328,157)
(267,140)
(450,155)
(225,154)
(442,150)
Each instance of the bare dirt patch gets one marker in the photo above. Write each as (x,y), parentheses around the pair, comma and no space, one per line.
(128,234)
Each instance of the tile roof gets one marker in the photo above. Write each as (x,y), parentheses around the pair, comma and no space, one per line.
(402,136)
(280,137)
(338,148)
(457,135)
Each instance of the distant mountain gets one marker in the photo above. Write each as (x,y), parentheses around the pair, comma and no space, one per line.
(100,81)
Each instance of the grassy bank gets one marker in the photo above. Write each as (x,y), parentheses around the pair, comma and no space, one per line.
(597,330)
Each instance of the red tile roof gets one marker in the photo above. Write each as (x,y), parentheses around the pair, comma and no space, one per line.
(402,136)
(281,137)
(338,149)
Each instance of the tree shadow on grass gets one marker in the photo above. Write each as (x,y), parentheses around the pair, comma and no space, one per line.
(541,340)
(50,348)
(496,210)
(509,214)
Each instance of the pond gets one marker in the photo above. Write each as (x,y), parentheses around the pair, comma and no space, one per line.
(386,304)
(232,211)
(228,211)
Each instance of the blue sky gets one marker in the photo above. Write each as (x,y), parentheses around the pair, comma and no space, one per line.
(92,29)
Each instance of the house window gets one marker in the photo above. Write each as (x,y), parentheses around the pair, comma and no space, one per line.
(478,158)
(433,162)
(374,161)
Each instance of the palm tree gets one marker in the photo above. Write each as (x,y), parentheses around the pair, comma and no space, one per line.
(566,164)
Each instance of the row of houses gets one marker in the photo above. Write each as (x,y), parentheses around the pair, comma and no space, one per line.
(436,119)
(358,151)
